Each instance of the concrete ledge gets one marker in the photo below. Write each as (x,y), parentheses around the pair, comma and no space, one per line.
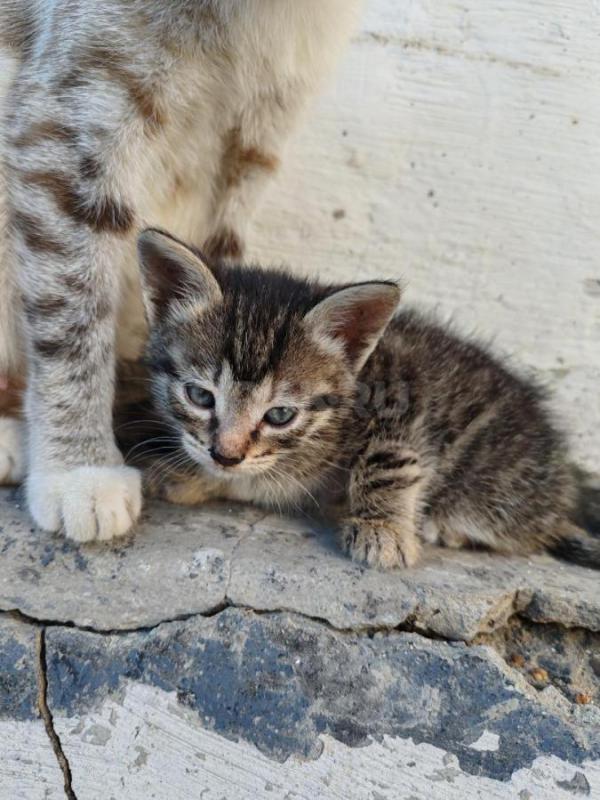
(189,561)
(223,650)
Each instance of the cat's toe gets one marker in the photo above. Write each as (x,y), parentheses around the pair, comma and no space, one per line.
(379,544)
(12,451)
(87,503)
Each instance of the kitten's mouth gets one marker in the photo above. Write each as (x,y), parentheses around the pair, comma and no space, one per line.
(251,466)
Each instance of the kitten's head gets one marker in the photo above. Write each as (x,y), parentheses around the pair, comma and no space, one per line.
(254,369)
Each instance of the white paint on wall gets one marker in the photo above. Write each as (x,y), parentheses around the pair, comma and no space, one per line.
(158,749)
(459,151)
(28,767)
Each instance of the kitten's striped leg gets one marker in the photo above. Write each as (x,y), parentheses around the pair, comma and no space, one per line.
(72,227)
(385,491)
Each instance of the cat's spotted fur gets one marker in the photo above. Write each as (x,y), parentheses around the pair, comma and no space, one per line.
(115,114)
(402,430)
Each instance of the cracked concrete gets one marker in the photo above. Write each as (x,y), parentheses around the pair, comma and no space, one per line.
(226,624)
(46,714)
(29,769)
(220,556)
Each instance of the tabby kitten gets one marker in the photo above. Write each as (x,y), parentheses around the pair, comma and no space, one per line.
(116,114)
(290,393)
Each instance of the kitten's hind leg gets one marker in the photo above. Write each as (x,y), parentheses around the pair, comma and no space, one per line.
(386,490)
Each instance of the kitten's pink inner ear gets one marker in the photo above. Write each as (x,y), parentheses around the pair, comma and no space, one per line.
(355,318)
(171,271)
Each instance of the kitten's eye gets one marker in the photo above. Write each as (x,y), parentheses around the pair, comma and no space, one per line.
(280,416)
(199,397)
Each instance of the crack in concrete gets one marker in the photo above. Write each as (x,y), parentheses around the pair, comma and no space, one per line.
(513,603)
(251,527)
(28,619)
(410,625)
(559,703)
(46,714)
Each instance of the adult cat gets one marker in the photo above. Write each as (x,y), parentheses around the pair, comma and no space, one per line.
(116,114)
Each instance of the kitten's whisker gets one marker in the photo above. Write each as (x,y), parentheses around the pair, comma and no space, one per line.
(133,423)
(152,440)
(174,461)
(271,478)
(290,476)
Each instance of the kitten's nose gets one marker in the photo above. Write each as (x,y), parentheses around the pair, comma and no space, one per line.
(225,461)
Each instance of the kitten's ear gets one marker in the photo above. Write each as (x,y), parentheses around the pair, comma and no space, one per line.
(170,272)
(353,319)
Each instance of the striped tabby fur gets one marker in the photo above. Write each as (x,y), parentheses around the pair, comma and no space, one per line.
(402,430)
(115,114)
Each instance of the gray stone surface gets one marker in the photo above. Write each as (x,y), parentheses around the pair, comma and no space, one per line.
(169,568)
(187,561)
(551,655)
(29,769)
(280,681)
(18,686)
(248,644)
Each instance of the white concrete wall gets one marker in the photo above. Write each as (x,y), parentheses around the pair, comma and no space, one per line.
(459,149)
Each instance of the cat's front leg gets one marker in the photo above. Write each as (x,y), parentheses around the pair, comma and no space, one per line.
(72,227)
(385,489)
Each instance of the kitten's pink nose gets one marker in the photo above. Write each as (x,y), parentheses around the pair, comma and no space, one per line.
(225,461)
(230,446)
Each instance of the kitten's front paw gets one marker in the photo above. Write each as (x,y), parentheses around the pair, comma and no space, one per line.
(12,451)
(379,543)
(185,494)
(192,492)
(88,503)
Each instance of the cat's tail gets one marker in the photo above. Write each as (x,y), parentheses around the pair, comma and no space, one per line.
(579,540)
(578,546)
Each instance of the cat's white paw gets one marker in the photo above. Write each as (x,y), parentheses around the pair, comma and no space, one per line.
(12,450)
(87,503)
